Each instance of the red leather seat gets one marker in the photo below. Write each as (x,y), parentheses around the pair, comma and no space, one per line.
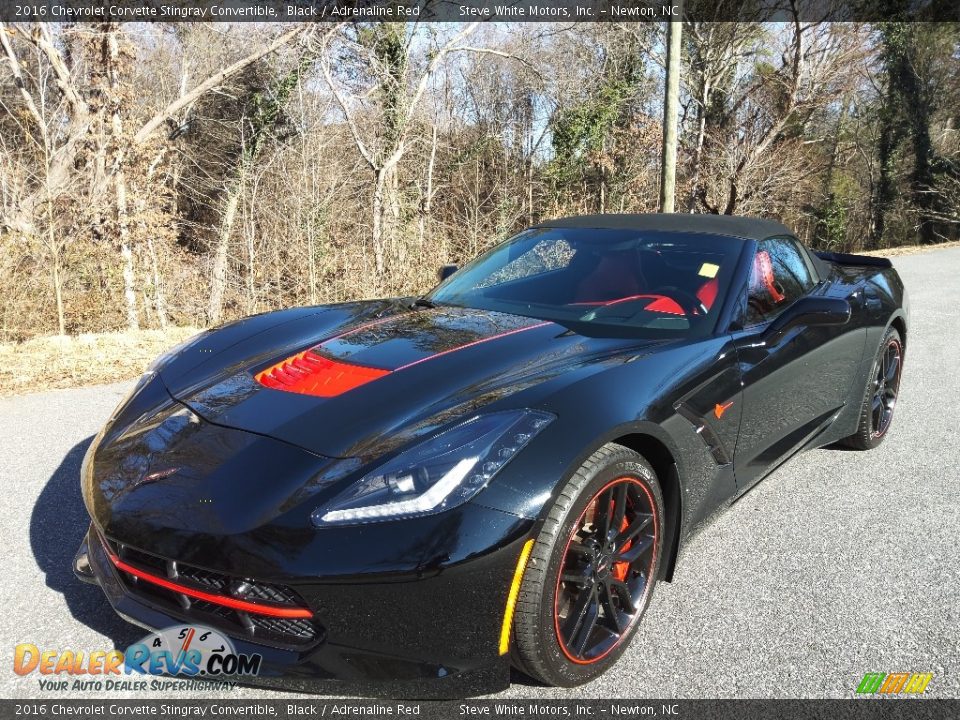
(707,294)
(614,277)
(762,280)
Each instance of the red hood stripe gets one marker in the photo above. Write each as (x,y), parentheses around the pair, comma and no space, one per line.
(472,344)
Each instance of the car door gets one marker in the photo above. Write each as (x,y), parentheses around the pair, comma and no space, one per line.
(795,384)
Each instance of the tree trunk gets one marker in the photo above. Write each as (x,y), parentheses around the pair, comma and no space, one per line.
(55,269)
(886,150)
(249,231)
(425,208)
(159,297)
(126,252)
(378,218)
(698,149)
(218,275)
(668,177)
(120,183)
(311,265)
(602,200)
(159,300)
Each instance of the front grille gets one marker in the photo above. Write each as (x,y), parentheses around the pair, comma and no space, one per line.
(282,632)
(271,593)
(202,578)
(284,626)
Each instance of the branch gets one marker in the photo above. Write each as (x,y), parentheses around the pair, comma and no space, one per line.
(42,38)
(211,82)
(422,86)
(400,148)
(432,66)
(19,82)
(498,53)
(351,123)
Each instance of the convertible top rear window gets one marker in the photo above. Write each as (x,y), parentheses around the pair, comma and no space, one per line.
(650,283)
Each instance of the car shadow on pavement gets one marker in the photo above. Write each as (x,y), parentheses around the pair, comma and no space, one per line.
(839,446)
(57,526)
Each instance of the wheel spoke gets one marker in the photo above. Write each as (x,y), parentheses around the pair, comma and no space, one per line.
(581,578)
(623,592)
(585,629)
(639,524)
(876,411)
(601,520)
(579,611)
(633,553)
(891,370)
(580,550)
(610,611)
(619,508)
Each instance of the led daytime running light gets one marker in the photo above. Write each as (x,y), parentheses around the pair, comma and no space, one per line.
(424,503)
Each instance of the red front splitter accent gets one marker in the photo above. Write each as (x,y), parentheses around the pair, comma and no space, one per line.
(223,600)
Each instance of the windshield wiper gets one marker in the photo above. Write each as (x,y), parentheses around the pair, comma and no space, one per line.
(422,302)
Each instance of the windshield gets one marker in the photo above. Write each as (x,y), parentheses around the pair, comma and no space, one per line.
(654,284)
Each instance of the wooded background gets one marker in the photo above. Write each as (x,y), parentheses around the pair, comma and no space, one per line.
(185,174)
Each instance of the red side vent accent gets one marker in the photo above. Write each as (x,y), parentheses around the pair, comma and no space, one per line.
(308,373)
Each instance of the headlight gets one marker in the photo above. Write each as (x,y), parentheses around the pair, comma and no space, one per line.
(439,473)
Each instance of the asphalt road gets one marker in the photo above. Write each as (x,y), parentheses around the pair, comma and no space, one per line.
(840,563)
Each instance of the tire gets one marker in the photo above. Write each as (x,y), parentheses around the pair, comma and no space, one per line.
(873,427)
(547,638)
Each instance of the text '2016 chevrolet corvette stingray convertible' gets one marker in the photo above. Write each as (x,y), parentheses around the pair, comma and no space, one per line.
(496,473)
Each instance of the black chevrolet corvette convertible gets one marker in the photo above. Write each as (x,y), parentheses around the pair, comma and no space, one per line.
(497,473)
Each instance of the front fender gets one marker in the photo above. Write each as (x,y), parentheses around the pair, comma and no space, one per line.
(625,403)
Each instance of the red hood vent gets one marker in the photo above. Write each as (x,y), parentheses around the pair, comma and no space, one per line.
(309,373)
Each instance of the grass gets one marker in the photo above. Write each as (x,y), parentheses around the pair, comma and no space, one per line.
(48,363)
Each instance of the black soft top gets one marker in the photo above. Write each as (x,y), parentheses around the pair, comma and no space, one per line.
(748,228)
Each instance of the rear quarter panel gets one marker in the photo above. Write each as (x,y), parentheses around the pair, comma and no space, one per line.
(878,299)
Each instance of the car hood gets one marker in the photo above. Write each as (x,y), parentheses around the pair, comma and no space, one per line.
(418,369)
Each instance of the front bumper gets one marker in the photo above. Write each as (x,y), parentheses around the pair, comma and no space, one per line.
(435,636)
(209,507)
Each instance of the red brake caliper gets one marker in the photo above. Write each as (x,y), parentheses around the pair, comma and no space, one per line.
(619,570)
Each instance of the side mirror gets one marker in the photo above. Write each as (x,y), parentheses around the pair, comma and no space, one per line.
(446,271)
(810,311)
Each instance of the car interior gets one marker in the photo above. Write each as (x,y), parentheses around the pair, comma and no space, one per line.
(665,280)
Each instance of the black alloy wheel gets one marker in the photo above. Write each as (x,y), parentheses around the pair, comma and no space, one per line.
(592,570)
(881,394)
(606,570)
(886,387)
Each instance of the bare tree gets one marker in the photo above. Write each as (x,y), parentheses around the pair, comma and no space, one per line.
(69,160)
(212,159)
(768,108)
(388,57)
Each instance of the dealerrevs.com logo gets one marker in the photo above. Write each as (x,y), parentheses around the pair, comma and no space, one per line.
(184,651)
(894,683)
